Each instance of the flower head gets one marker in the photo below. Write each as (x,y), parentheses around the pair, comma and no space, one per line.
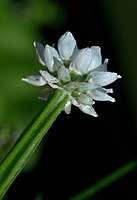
(77,72)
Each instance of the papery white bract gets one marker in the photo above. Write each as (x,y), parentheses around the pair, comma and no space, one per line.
(78,73)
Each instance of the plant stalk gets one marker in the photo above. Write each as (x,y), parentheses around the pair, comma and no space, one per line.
(28,141)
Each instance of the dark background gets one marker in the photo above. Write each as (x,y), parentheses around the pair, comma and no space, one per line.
(79,149)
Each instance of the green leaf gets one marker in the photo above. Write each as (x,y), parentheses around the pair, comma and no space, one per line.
(106,181)
(29,140)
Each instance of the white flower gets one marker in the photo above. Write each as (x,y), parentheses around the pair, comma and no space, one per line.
(66,45)
(78,73)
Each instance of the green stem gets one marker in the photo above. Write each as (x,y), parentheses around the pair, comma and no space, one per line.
(106,181)
(29,140)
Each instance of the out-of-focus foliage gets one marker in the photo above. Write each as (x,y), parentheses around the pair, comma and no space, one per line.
(7,137)
(33,12)
(19,27)
(39,196)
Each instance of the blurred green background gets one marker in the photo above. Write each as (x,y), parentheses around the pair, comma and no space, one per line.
(20,22)
(108,141)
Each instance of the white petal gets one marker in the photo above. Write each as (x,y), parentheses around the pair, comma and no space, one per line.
(57,63)
(102,67)
(35,80)
(50,53)
(82,61)
(101,89)
(96,58)
(48,77)
(73,101)
(54,86)
(64,74)
(66,45)
(100,96)
(71,86)
(84,99)
(39,52)
(87,86)
(72,67)
(104,78)
(75,52)
(67,107)
(88,109)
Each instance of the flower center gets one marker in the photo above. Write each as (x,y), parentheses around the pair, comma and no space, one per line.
(67,63)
